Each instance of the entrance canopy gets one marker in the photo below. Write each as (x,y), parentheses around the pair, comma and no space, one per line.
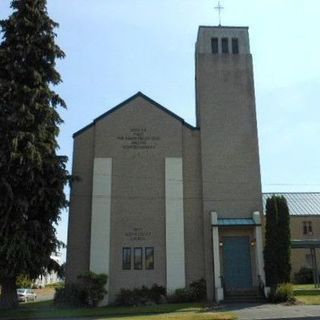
(240,222)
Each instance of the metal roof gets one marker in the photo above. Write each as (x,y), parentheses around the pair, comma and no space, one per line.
(235,222)
(299,203)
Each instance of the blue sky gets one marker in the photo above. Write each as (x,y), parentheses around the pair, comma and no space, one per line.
(115,48)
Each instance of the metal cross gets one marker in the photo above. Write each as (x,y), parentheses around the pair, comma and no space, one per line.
(219,7)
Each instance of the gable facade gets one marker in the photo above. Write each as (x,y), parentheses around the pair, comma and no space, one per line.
(157,200)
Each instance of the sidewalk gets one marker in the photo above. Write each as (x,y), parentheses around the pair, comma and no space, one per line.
(272,311)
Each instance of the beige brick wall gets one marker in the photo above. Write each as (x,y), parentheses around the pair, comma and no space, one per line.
(138,192)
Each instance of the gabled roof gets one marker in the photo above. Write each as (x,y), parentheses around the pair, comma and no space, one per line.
(299,203)
(143,96)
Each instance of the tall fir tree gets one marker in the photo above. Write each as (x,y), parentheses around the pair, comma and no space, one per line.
(277,241)
(284,251)
(32,175)
(270,249)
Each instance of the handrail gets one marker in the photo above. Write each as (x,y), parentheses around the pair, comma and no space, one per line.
(222,283)
(261,286)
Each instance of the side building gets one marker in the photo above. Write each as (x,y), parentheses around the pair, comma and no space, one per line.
(304,208)
(160,201)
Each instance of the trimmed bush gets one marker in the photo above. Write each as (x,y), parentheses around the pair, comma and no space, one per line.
(140,296)
(198,290)
(303,276)
(157,293)
(89,291)
(283,293)
(70,295)
(180,295)
(94,286)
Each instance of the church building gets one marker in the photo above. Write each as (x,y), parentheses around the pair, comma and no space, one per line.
(157,200)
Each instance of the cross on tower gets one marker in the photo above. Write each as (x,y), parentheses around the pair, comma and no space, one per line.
(219,7)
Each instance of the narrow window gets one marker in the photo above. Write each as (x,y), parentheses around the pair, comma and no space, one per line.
(215,45)
(235,46)
(138,258)
(225,45)
(307,228)
(126,258)
(149,258)
(310,231)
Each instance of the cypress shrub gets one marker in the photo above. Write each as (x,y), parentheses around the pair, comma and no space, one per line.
(277,242)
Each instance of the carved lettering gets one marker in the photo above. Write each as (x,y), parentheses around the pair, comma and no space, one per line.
(137,234)
(138,139)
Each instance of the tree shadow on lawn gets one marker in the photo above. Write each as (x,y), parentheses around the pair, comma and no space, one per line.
(46,309)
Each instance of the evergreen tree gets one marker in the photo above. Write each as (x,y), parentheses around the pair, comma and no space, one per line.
(284,265)
(270,249)
(32,175)
(277,241)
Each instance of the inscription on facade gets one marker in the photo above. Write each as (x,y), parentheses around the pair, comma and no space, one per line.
(137,234)
(138,139)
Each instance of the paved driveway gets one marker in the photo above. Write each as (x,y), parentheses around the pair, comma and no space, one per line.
(272,311)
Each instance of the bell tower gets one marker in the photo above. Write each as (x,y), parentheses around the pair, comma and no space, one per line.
(226,116)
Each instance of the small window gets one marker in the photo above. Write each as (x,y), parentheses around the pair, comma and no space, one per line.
(215,45)
(225,45)
(138,258)
(235,46)
(149,258)
(126,258)
(307,228)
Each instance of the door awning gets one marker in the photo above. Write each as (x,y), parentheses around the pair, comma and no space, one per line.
(239,222)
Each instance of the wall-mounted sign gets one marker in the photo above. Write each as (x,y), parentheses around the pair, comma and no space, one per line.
(138,139)
(137,234)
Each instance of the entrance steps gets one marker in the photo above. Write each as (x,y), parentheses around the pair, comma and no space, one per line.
(248,296)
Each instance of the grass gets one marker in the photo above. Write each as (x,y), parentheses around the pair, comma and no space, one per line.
(307,294)
(186,311)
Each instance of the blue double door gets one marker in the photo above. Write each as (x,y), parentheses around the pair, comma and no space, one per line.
(237,272)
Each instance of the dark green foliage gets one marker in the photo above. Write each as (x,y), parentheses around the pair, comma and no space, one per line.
(180,295)
(140,296)
(156,293)
(270,249)
(282,293)
(304,276)
(23,282)
(196,292)
(277,242)
(88,292)
(284,249)
(199,290)
(62,271)
(32,175)
(94,286)
(70,295)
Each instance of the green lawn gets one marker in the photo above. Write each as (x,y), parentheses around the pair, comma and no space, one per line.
(168,311)
(307,293)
